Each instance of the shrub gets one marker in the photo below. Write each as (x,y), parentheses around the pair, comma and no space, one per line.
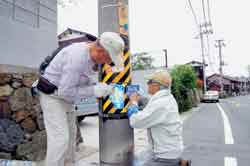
(184,80)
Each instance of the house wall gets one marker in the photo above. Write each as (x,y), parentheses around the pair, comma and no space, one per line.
(28,31)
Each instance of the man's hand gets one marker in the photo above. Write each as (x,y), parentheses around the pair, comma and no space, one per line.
(102,90)
(134,98)
(132,109)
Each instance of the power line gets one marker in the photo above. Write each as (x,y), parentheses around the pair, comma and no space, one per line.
(201,34)
(209,11)
(207,23)
(204,29)
(193,12)
(204,11)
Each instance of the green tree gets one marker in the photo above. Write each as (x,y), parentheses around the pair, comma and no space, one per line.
(184,81)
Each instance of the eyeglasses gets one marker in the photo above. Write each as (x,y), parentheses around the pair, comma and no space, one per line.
(152,82)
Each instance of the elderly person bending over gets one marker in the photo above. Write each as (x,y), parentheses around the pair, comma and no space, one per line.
(161,119)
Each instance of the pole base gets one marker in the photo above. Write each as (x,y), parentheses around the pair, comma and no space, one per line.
(116,141)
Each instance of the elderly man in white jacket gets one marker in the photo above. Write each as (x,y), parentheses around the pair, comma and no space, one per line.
(161,119)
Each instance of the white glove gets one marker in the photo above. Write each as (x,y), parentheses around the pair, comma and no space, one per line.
(102,90)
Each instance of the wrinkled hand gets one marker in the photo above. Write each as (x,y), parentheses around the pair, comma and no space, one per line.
(102,90)
(134,98)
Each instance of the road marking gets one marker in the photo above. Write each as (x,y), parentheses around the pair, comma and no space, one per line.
(227,127)
(230,161)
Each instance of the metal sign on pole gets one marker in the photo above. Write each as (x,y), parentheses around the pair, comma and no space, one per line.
(116,138)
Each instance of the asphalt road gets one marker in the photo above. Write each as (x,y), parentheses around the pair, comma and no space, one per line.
(219,135)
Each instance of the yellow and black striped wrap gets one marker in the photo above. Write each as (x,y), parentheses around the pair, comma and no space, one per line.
(123,78)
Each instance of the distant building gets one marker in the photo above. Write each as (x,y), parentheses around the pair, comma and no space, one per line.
(72,36)
(231,85)
(28,31)
(198,68)
(142,61)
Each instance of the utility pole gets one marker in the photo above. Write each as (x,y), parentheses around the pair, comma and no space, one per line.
(204,29)
(116,137)
(166,57)
(219,44)
(203,60)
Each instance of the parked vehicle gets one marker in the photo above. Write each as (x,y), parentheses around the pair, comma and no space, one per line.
(87,107)
(211,96)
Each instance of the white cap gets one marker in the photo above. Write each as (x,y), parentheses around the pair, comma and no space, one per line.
(114,44)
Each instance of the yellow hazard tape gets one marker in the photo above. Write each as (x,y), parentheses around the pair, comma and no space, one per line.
(112,111)
(126,56)
(106,104)
(124,110)
(108,77)
(121,74)
(128,79)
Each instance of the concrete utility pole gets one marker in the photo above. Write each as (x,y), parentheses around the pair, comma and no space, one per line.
(203,60)
(166,57)
(219,44)
(204,29)
(116,137)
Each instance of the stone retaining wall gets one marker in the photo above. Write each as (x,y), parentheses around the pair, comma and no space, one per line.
(22,132)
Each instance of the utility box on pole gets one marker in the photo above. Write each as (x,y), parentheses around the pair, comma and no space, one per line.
(116,137)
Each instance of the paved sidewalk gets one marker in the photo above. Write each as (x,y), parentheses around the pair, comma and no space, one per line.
(88,152)
(140,142)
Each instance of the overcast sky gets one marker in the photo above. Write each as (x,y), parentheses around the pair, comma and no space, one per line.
(158,24)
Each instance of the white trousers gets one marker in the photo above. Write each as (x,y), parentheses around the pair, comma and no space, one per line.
(57,127)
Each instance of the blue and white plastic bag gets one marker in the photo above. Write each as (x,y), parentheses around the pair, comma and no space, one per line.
(117,96)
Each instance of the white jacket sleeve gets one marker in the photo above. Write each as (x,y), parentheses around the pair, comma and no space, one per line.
(69,87)
(151,115)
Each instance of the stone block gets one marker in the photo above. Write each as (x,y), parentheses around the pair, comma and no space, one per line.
(34,150)
(5,90)
(39,117)
(29,79)
(5,78)
(11,135)
(6,156)
(21,100)
(5,111)
(21,115)
(29,125)
(17,77)
(16,84)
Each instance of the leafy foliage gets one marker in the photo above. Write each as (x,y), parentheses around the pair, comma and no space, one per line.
(184,80)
